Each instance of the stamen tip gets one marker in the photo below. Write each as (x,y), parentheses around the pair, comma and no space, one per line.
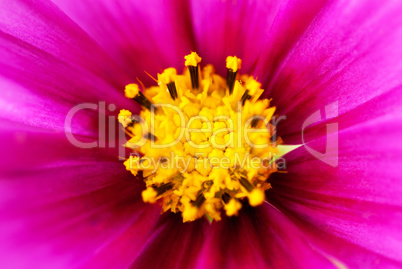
(233,63)
(168,75)
(131,90)
(256,197)
(149,195)
(192,59)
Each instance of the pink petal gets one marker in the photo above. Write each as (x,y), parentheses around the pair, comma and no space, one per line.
(40,89)
(349,54)
(61,206)
(226,28)
(260,237)
(172,244)
(140,36)
(291,21)
(386,104)
(360,199)
(46,69)
(45,27)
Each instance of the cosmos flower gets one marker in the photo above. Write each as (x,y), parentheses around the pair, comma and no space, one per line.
(336,65)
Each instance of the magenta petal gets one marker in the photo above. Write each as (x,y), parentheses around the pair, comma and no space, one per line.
(226,28)
(48,111)
(47,28)
(64,207)
(291,21)
(359,200)
(260,237)
(87,228)
(28,148)
(349,54)
(386,104)
(140,36)
(173,244)
(40,89)
(46,69)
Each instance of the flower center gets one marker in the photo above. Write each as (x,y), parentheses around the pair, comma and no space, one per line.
(201,142)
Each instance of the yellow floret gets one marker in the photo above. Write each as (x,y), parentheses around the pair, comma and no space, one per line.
(189,213)
(131,164)
(233,207)
(168,75)
(233,63)
(256,197)
(124,117)
(192,59)
(149,195)
(131,90)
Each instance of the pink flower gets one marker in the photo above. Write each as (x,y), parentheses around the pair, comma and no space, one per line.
(66,207)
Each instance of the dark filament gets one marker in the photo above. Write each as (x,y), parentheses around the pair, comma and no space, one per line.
(225,197)
(172,90)
(133,121)
(163,188)
(230,79)
(245,97)
(254,122)
(246,184)
(200,199)
(150,136)
(142,100)
(194,76)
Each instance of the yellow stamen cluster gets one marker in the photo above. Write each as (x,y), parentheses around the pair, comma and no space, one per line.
(195,148)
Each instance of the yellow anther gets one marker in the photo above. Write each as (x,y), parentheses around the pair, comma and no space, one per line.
(233,63)
(256,197)
(253,86)
(219,125)
(125,117)
(208,113)
(213,211)
(131,164)
(203,167)
(168,75)
(189,213)
(198,138)
(125,113)
(149,195)
(216,153)
(131,90)
(192,59)
(232,208)
(219,176)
